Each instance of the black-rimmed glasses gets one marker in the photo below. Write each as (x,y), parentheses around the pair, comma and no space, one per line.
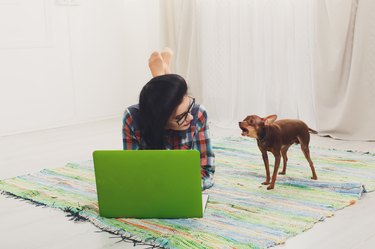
(183,116)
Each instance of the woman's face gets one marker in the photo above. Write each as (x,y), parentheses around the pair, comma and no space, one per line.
(181,116)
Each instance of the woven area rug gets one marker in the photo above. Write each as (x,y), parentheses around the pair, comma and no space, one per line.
(241,213)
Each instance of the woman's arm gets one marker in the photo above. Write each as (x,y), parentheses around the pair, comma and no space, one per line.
(202,142)
(129,138)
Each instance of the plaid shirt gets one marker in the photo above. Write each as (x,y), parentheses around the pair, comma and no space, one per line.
(194,138)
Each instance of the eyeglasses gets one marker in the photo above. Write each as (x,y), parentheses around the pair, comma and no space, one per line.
(184,115)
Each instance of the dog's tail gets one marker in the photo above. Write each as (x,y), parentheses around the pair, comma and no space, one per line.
(312,131)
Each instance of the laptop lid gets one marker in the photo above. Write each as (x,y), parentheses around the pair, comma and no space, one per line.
(148,183)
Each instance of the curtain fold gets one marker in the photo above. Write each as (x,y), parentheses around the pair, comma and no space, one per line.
(344,68)
(306,59)
(180,22)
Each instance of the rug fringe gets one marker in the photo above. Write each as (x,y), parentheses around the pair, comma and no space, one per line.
(125,236)
(30,201)
(364,190)
(75,215)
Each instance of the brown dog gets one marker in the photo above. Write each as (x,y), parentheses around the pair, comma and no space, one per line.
(277,137)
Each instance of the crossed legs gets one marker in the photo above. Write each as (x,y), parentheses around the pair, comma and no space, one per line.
(159,63)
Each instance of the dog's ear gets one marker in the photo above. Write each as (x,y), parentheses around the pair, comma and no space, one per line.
(270,119)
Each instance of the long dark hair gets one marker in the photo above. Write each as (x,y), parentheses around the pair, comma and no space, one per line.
(157,101)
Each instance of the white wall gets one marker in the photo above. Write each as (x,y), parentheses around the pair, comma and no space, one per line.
(62,64)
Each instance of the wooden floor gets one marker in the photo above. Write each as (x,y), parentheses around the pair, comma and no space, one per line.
(25,226)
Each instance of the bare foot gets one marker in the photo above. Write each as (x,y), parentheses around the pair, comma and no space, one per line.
(156,64)
(167,54)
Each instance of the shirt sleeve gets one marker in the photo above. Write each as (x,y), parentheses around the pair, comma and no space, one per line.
(202,143)
(129,138)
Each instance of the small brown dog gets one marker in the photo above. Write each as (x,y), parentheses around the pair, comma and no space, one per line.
(277,137)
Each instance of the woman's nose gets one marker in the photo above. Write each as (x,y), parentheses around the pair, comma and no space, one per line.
(189,117)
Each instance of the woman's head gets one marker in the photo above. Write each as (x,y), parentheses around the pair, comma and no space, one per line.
(161,102)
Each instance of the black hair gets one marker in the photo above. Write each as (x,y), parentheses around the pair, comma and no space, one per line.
(157,101)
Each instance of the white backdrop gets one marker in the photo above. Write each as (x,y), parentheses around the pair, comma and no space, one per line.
(345,69)
(307,59)
(63,65)
(251,56)
(254,59)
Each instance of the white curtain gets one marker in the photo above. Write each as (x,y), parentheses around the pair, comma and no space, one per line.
(254,58)
(179,20)
(286,57)
(246,56)
(345,69)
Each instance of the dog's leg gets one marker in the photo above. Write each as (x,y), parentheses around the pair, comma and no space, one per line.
(275,169)
(306,152)
(284,149)
(267,166)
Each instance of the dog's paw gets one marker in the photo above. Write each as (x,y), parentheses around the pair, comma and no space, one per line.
(270,187)
(314,177)
(266,183)
(282,173)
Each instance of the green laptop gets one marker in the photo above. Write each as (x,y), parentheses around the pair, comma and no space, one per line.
(149,183)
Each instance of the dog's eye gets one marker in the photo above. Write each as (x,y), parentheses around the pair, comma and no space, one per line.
(250,122)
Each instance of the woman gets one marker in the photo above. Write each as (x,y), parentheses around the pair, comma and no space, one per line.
(167,118)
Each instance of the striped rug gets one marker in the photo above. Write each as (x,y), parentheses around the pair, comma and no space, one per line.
(241,213)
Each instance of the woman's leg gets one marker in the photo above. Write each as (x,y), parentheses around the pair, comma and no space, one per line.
(156,64)
(167,54)
(160,64)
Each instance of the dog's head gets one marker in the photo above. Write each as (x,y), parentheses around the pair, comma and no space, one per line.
(252,124)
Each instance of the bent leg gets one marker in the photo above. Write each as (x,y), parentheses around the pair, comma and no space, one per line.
(156,64)
(167,54)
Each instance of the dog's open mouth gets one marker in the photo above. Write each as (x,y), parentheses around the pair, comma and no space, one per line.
(245,131)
